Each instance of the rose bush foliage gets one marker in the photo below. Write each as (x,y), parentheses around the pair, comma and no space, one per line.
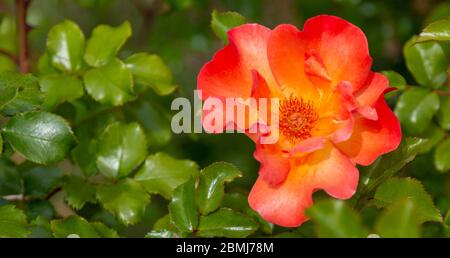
(87,149)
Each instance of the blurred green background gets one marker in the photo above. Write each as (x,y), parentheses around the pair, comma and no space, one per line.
(179,31)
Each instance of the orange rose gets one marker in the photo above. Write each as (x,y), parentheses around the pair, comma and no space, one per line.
(332,113)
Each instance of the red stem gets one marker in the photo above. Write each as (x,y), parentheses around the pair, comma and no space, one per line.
(21,16)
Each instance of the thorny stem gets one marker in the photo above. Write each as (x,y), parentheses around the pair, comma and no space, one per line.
(23,28)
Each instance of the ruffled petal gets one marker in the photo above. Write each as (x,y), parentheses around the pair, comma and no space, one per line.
(342,46)
(376,86)
(274,166)
(286,53)
(285,204)
(229,73)
(370,138)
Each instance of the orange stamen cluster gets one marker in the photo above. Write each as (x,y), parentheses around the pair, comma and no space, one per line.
(297,118)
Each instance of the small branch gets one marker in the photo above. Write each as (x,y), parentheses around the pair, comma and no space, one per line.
(442,92)
(9,55)
(21,16)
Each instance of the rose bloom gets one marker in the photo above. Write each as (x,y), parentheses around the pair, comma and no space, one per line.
(332,112)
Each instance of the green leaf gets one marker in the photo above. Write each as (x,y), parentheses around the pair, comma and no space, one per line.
(13,222)
(335,219)
(59,89)
(415,109)
(105,42)
(222,22)
(433,134)
(85,156)
(400,220)
(121,148)
(388,165)
(239,202)
(162,174)
(10,179)
(45,66)
(127,200)
(103,231)
(150,70)
(40,228)
(426,62)
(41,137)
(226,223)
(395,79)
(40,208)
(436,31)
(442,156)
(447,220)
(20,93)
(443,116)
(211,189)
(39,181)
(154,118)
(111,84)
(65,46)
(9,85)
(161,234)
(73,225)
(397,189)
(183,211)
(78,192)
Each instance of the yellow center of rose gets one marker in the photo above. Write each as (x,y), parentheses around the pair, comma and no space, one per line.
(297,118)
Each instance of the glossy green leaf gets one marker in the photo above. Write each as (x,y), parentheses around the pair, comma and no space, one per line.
(65,45)
(45,66)
(211,189)
(162,174)
(436,31)
(395,79)
(111,84)
(154,118)
(103,231)
(78,192)
(40,208)
(239,202)
(426,62)
(226,223)
(400,220)
(183,211)
(85,156)
(40,228)
(397,189)
(13,222)
(415,110)
(40,181)
(41,137)
(161,234)
(73,225)
(121,148)
(20,93)
(10,179)
(442,156)
(443,116)
(59,89)
(150,70)
(9,85)
(222,22)
(433,135)
(126,200)
(105,42)
(335,219)
(388,165)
